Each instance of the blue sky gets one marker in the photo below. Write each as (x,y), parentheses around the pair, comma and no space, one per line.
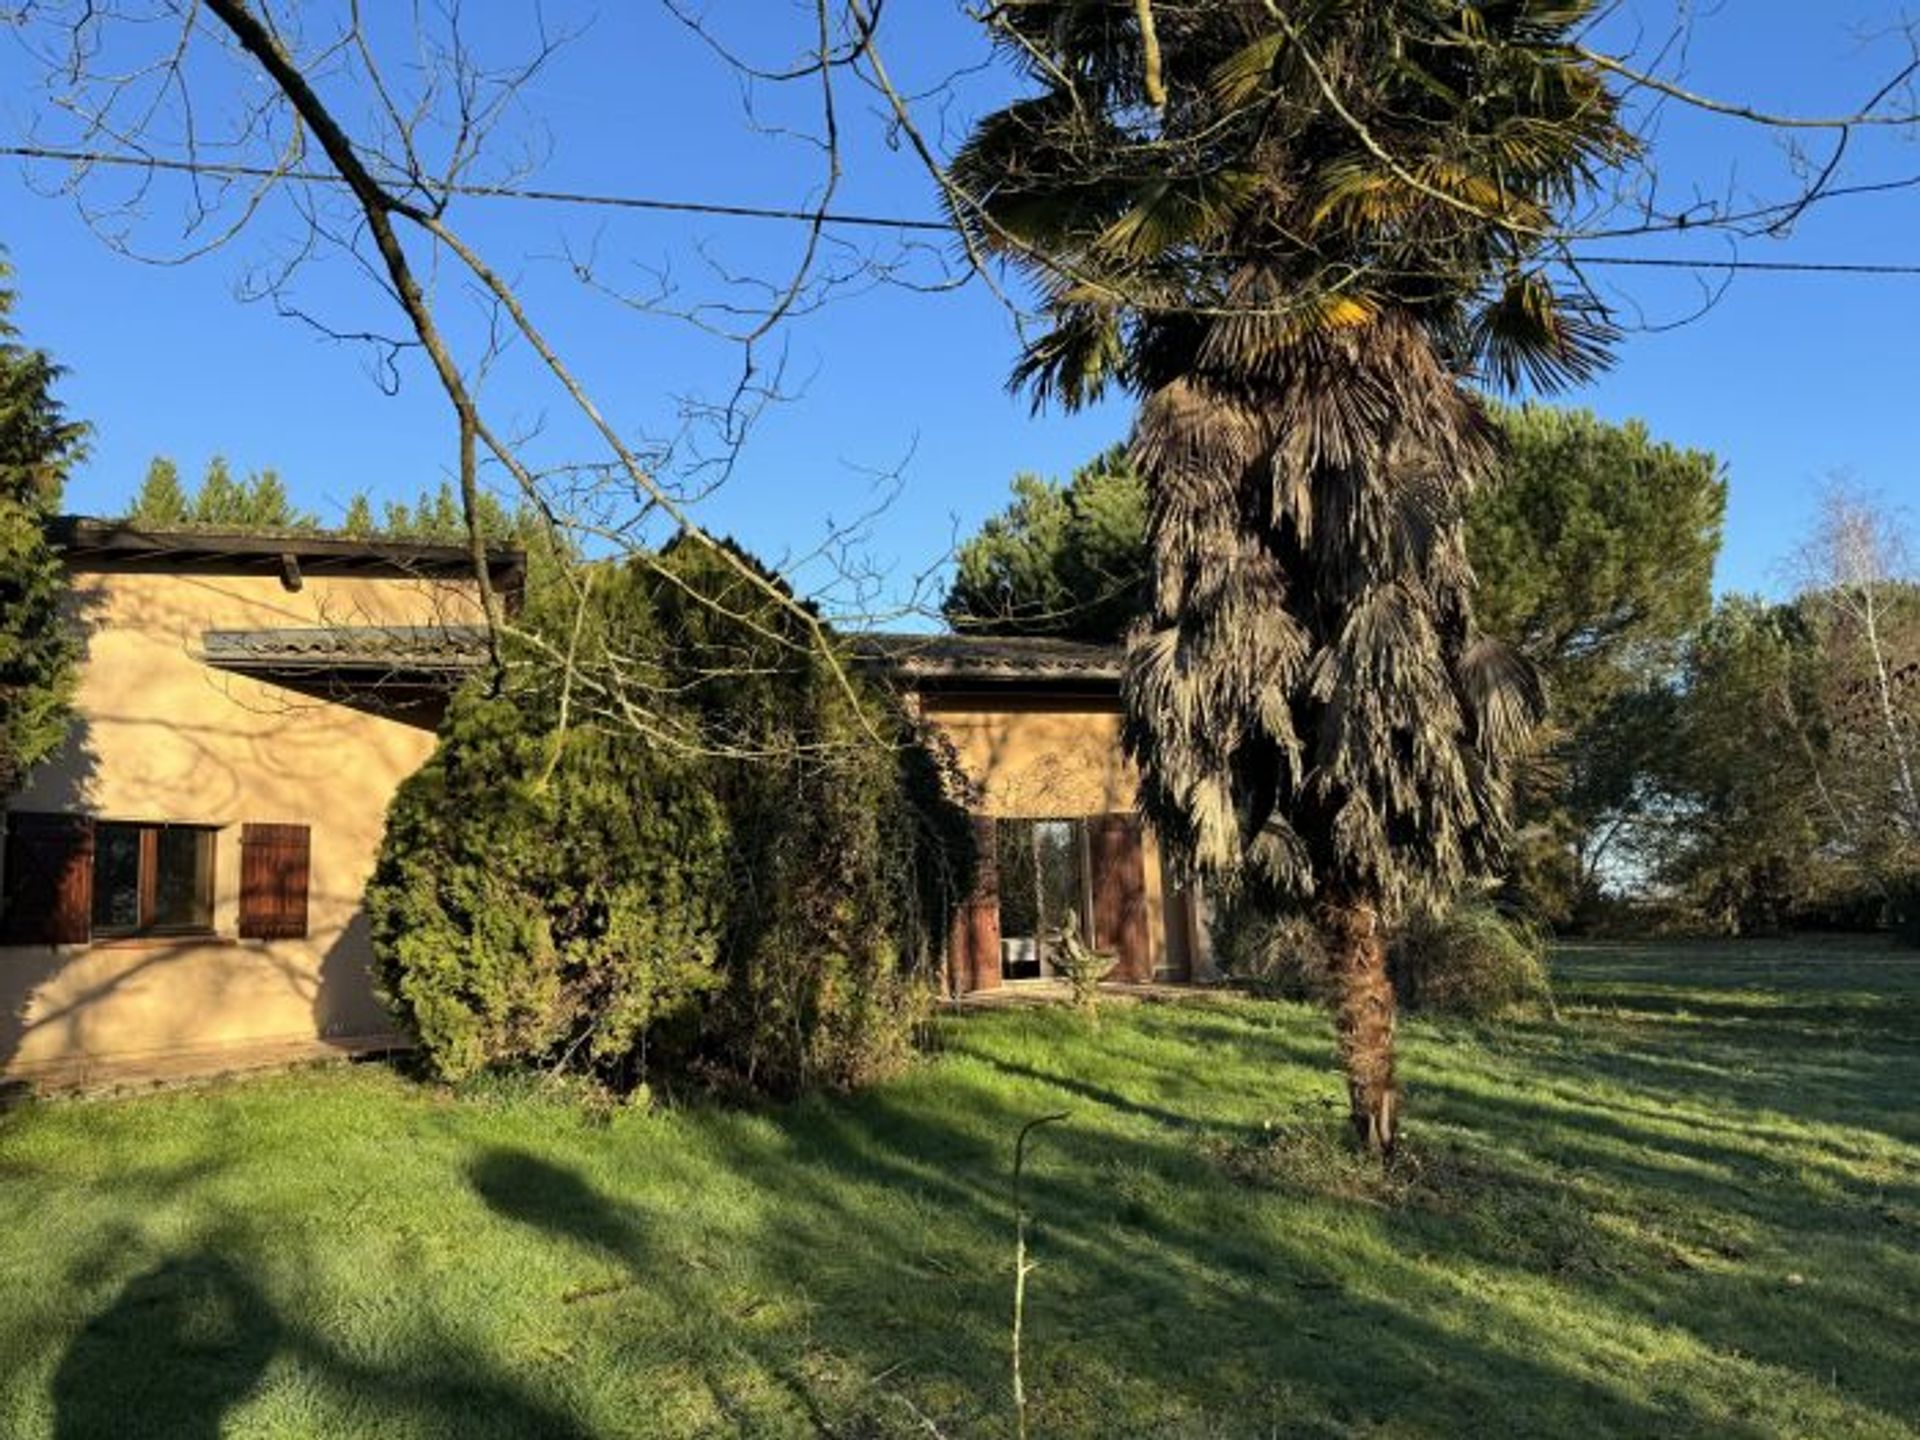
(1787,378)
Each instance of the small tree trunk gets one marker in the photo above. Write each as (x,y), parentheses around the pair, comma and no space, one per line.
(1358,946)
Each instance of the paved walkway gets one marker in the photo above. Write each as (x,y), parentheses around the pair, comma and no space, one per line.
(103,1075)
(1058,992)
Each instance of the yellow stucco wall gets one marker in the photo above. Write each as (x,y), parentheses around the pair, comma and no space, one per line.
(1058,759)
(161,736)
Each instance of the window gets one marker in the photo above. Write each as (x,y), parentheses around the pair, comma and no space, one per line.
(71,879)
(151,879)
(1044,878)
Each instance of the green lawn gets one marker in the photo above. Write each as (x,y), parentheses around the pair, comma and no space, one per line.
(1691,1207)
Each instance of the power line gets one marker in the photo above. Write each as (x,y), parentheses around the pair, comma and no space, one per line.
(224,171)
(1791,267)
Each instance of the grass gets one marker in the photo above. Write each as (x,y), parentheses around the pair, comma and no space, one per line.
(1690,1208)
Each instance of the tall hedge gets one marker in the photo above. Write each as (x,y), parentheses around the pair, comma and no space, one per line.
(751,895)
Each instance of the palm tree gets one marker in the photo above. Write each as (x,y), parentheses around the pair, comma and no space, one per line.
(1299,231)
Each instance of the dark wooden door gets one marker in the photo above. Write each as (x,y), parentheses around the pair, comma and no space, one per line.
(1118,850)
(973,947)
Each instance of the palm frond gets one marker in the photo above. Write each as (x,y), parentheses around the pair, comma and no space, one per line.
(1239,78)
(1505,693)
(1024,173)
(1528,332)
(1081,353)
(1178,211)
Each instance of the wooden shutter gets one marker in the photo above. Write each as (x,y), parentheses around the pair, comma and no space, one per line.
(1120,895)
(973,947)
(273,881)
(49,881)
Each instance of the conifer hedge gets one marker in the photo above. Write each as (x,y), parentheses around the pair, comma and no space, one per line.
(751,894)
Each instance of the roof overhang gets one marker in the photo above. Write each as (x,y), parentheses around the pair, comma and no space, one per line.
(404,672)
(423,657)
(111,545)
(994,664)
(403,652)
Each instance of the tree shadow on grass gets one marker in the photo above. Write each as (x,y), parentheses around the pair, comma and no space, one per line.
(181,1345)
(532,1190)
(189,1340)
(1639,1215)
(1712,1231)
(1147,1317)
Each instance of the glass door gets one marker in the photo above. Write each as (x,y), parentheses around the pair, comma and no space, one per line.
(1043,886)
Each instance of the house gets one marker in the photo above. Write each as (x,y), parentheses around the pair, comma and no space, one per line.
(183,882)
(1035,725)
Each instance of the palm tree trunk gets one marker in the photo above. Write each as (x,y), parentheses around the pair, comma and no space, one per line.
(1358,945)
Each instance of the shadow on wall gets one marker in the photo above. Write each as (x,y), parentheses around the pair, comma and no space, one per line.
(338,991)
(64,783)
(345,1001)
(1026,767)
(65,780)
(61,995)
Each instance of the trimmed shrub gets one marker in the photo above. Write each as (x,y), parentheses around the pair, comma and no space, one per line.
(750,895)
(1470,960)
(517,919)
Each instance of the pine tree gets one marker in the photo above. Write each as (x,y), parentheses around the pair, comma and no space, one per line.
(358,521)
(162,503)
(221,502)
(1066,560)
(38,446)
(218,501)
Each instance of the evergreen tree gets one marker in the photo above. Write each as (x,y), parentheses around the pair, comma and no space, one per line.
(437,516)
(1594,551)
(1594,555)
(751,891)
(219,499)
(1067,560)
(38,446)
(358,521)
(220,502)
(162,502)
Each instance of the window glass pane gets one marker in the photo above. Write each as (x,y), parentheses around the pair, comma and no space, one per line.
(1019,882)
(116,877)
(1057,843)
(183,879)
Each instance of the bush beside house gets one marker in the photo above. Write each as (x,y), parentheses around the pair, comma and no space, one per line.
(752,896)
